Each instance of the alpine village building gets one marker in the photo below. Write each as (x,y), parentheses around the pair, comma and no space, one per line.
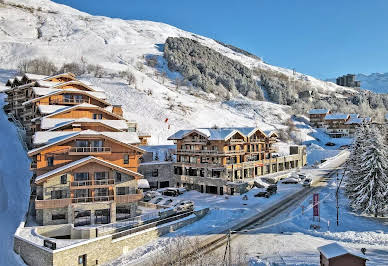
(337,125)
(84,154)
(226,160)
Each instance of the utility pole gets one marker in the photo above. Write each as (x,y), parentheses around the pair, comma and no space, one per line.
(337,194)
(228,262)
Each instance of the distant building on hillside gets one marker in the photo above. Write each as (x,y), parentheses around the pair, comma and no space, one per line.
(317,117)
(337,125)
(336,255)
(348,80)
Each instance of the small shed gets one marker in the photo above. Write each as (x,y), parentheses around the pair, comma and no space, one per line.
(336,255)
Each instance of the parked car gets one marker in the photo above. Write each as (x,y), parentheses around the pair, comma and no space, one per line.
(186,205)
(171,193)
(150,195)
(291,180)
(330,144)
(302,176)
(307,182)
(272,189)
(264,194)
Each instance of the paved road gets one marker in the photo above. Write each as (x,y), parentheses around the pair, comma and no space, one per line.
(320,176)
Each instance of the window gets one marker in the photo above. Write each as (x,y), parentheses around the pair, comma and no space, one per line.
(97,143)
(118,177)
(58,216)
(63,179)
(82,143)
(97,116)
(155,172)
(81,176)
(100,175)
(122,190)
(126,159)
(50,161)
(57,194)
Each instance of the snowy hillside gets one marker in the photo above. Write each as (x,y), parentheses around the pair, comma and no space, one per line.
(41,28)
(376,82)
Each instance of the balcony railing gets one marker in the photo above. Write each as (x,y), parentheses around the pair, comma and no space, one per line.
(33,165)
(236,141)
(129,198)
(83,150)
(195,141)
(210,152)
(69,101)
(92,199)
(93,182)
(52,203)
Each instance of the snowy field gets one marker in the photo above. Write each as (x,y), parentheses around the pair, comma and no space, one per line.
(14,187)
(271,242)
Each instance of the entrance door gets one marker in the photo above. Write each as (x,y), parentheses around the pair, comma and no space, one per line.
(232,191)
(201,188)
(221,190)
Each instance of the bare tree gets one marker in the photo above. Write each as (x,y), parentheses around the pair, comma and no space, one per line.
(41,66)
(128,76)
(151,60)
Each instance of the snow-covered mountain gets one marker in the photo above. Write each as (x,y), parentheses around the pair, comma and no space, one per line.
(41,28)
(376,82)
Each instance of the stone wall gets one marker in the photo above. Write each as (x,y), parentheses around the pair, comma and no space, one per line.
(99,250)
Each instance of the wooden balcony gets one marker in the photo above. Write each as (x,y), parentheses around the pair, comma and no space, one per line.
(92,199)
(91,183)
(236,141)
(195,141)
(209,152)
(52,203)
(89,150)
(129,198)
(69,101)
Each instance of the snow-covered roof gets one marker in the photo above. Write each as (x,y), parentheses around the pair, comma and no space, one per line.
(143,183)
(49,138)
(30,76)
(53,111)
(335,250)
(54,123)
(217,133)
(318,111)
(40,91)
(59,75)
(49,109)
(354,115)
(269,133)
(337,116)
(85,160)
(358,120)
(47,92)
(43,83)
(209,133)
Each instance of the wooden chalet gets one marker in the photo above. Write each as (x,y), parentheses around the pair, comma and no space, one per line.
(214,160)
(84,154)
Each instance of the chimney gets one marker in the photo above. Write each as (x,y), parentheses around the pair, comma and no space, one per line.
(117,110)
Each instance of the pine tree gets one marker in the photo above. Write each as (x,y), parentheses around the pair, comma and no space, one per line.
(353,164)
(367,186)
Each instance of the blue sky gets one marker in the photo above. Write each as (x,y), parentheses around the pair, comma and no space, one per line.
(323,38)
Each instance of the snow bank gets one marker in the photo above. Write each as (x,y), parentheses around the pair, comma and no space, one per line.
(14,187)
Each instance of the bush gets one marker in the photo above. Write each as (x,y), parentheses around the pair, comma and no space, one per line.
(128,76)
(151,60)
(40,66)
(74,68)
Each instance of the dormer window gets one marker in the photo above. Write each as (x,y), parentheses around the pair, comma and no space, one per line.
(97,116)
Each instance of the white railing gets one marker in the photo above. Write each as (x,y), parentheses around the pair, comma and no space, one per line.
(90,149)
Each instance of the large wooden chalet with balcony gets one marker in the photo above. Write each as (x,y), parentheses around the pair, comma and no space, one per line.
(84,154)
(222,160)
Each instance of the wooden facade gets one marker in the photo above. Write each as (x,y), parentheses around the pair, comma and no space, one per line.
(88,172)
(210,164)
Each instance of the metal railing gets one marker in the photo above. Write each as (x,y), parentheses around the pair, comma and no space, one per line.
(92,199)
(91,182)
(90,150)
